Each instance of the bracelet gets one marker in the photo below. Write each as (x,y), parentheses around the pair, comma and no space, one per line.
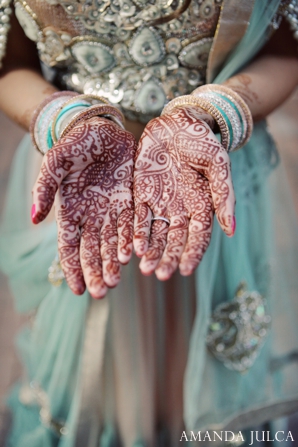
(236,111)
(217,115)
(42,117)
(89,100)
(104,110)
(64,114)
(60,112)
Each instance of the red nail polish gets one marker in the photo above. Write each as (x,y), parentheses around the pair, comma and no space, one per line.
(234,225)
(33,213)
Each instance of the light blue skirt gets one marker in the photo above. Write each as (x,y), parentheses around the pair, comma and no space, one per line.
(138,368)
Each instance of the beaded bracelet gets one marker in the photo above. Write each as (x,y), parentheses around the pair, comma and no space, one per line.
(236,111)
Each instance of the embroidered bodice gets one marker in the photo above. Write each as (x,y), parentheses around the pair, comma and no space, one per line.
(138,54)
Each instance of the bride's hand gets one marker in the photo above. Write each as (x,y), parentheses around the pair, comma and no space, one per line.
(88,174)
(182,173)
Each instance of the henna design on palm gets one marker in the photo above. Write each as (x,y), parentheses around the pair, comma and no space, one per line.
(181,173)
(88,174)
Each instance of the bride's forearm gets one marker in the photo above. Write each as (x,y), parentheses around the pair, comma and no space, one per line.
(272,77)
(22,87)
(21,91)
(266,83)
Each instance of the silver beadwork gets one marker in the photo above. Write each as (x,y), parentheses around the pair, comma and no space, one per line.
(290,12)
(93,56)
(56,274)
(5,12)
(238,328)
(122,55)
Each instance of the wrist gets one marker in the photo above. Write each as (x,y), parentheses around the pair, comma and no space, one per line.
(203,115)
(230,111)
(60,112)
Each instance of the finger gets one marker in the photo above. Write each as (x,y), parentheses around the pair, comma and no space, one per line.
(69,254)
(142,225)
(51,174)
(125,234)
(220,180)
(109,245)
(158,239)
(91,261)
(176,240)
(199,234)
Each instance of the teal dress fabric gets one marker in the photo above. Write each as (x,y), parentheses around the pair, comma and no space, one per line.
(88,362)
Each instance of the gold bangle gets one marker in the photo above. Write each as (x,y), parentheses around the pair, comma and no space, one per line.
(188,100)
(239,102)
(95,110)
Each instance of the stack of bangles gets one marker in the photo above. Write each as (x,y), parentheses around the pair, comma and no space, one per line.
(228,109)
(59,113)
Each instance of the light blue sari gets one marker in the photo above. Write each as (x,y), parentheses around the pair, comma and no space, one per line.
(78,352)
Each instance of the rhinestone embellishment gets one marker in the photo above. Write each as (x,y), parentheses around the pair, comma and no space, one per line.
(238,328)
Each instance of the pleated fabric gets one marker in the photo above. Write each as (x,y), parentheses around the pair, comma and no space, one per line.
(263,255)
(108,372)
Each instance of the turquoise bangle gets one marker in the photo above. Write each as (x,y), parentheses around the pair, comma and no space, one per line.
(50,142)
(234,107)
(228,123)
(66,109)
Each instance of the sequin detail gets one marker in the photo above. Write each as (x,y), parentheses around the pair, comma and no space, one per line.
(56,274)
(135,53)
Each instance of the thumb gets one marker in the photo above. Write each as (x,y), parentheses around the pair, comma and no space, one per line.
(221,185)
(53,170)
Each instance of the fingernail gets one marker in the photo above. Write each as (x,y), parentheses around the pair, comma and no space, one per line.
(33,213)
(185,271)
(97,297)
(233,227)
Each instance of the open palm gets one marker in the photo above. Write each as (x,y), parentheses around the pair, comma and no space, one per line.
(182,173)
(88,174)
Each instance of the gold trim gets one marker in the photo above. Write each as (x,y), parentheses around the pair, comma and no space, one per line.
(88,38)
(29,11)
(232,25)
(172,16)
